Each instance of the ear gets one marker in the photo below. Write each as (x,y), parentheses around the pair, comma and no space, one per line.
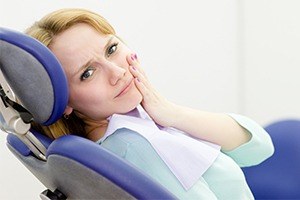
(68,110)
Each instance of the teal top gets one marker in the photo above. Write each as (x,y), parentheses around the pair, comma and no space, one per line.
(223,180)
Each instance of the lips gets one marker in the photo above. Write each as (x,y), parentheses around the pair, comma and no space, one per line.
(125,88)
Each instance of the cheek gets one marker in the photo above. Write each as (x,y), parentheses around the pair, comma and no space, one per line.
(81,97)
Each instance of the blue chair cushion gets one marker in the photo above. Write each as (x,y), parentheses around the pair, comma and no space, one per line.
(279,176)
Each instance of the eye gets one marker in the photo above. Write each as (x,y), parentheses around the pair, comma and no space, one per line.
(111,49)
(87,73)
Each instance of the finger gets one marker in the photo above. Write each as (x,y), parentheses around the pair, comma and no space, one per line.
(143,89)
(137,74)
(133,61)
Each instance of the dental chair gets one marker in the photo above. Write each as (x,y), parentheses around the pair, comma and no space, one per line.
(33,87)
(279,176)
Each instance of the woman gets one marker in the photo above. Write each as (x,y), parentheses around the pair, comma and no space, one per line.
(107,85)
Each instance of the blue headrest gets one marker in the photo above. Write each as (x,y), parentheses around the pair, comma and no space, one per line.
(34,74)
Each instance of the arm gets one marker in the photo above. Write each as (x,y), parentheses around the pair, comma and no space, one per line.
(217,128)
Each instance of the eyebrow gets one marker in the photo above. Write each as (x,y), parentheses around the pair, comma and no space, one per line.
(90,61)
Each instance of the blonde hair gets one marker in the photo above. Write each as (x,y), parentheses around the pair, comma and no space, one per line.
(44,30)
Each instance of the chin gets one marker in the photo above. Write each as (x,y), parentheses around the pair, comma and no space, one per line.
(132,104)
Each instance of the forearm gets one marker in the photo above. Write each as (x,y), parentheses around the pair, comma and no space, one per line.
(217,128)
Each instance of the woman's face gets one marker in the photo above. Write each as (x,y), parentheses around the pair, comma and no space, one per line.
(96,67)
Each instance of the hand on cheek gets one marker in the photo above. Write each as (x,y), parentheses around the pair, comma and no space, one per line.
(139,75)
(159,108)
(133,61)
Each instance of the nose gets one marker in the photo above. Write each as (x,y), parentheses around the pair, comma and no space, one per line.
(115,73)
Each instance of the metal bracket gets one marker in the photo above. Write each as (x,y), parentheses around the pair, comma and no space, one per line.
(49,195)
(15,119)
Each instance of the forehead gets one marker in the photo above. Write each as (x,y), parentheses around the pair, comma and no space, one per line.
(77,36)
(76,45)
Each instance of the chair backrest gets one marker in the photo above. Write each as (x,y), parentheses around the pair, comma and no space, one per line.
(78,167)
(279,176)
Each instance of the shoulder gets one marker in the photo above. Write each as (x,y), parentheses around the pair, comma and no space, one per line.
(126,136)
(124,140)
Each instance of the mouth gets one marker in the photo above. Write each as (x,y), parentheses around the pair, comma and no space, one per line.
(125,89)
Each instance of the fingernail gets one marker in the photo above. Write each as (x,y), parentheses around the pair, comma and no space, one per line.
(132,57)
(135,56)
(133,67)
(138,79)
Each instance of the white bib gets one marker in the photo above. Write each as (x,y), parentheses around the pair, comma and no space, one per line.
(188,158)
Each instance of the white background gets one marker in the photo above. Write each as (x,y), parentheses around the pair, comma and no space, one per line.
(238,56)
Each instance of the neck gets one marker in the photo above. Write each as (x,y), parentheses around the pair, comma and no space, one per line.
(95,129)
